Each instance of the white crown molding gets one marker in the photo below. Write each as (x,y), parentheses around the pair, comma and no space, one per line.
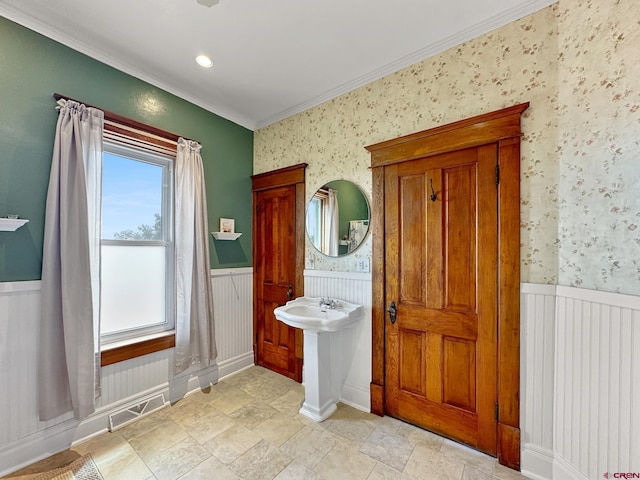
(523,9)
(19,17)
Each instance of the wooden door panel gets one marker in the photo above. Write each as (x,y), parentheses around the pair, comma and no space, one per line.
(441,250)
(459,368)
(441,417)
(413,227)
(451,324)
(460,238)
(413,361)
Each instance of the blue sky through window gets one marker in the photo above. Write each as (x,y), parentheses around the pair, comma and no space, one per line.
(131,194)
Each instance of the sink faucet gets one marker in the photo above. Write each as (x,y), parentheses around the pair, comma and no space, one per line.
(327,303)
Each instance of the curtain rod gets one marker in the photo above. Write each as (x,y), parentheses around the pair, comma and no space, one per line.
(114,117)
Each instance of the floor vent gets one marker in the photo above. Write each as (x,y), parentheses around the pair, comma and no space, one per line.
(129,414)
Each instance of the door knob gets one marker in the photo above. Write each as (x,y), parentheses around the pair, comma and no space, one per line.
(392,312)
(290,292)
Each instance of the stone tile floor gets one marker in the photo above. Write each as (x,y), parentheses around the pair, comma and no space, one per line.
(247,427)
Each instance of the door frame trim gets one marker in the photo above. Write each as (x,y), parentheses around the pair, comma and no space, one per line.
(292,175)
(501,127)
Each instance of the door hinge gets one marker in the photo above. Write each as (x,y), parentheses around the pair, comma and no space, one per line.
(497,412)
(497,174)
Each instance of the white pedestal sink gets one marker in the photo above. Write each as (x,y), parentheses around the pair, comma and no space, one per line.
(322,347)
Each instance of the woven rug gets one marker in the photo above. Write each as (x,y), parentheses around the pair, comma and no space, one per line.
(81,469)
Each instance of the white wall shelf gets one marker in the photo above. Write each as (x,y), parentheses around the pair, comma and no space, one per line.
(11,224)
(225,235)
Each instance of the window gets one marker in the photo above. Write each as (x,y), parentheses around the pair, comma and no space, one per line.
(316,217)
(137,243)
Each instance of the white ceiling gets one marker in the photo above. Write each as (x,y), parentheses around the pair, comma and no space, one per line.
(273,58)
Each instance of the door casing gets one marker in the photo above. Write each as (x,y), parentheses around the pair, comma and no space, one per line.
(503,128)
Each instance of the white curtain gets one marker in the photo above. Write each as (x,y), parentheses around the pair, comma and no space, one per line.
(69,351)
(195,337)
(332,225)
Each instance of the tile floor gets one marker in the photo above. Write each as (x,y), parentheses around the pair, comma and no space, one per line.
(248,427)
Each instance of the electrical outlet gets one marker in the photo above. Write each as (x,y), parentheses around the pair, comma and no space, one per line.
(362,265)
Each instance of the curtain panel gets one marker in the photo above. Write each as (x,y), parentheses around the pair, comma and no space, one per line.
(195,337)
(69,358)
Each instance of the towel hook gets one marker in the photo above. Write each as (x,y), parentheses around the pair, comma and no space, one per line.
(433,192)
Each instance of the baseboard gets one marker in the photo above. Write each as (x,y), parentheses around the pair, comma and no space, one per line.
(562,470)
(235,364)
(356,397)
(536,463)
(52,440)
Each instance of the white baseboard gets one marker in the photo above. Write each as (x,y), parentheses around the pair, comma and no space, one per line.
(235,364)
(562,470)
(50,441)
(536,462)
(356,397)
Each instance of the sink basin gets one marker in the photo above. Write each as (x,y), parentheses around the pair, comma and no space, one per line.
(306,313)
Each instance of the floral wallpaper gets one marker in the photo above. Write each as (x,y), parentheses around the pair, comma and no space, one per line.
(599,105)
(545,59)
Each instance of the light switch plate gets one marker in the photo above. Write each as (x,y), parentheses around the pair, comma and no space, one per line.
(362,265)
(309,263)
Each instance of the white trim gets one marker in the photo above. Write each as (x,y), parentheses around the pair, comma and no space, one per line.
(15,15)
(562,470)
(526,7)
(344,275)
(221,272)
(356,396)
(20,287)
(235,364)
(538,460)
(598,296)
(537,289)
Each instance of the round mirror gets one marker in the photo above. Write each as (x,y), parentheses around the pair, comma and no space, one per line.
(338,218)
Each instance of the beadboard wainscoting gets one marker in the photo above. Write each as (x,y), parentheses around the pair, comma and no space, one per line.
(537,344)
(581,383)
(233,311)
(356,341)
(24,439)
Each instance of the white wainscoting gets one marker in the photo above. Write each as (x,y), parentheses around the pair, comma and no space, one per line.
(233,311)
(356,355)
(537,341)
(24,439)
(581,356)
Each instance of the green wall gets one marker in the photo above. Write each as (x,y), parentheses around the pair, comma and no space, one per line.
(32,68)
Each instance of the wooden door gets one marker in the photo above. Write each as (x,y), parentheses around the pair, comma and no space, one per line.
(441,229)
(442,331)
(277,262)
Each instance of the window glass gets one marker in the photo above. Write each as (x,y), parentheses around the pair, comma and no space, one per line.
(136,248)
(131,199)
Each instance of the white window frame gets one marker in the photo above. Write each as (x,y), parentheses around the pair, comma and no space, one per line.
(142,154)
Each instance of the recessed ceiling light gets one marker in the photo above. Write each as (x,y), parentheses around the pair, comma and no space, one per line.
(204,61)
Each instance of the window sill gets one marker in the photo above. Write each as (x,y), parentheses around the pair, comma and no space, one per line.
(120,352)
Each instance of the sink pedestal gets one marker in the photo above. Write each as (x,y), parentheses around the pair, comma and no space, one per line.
(323,327)
(321,375)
